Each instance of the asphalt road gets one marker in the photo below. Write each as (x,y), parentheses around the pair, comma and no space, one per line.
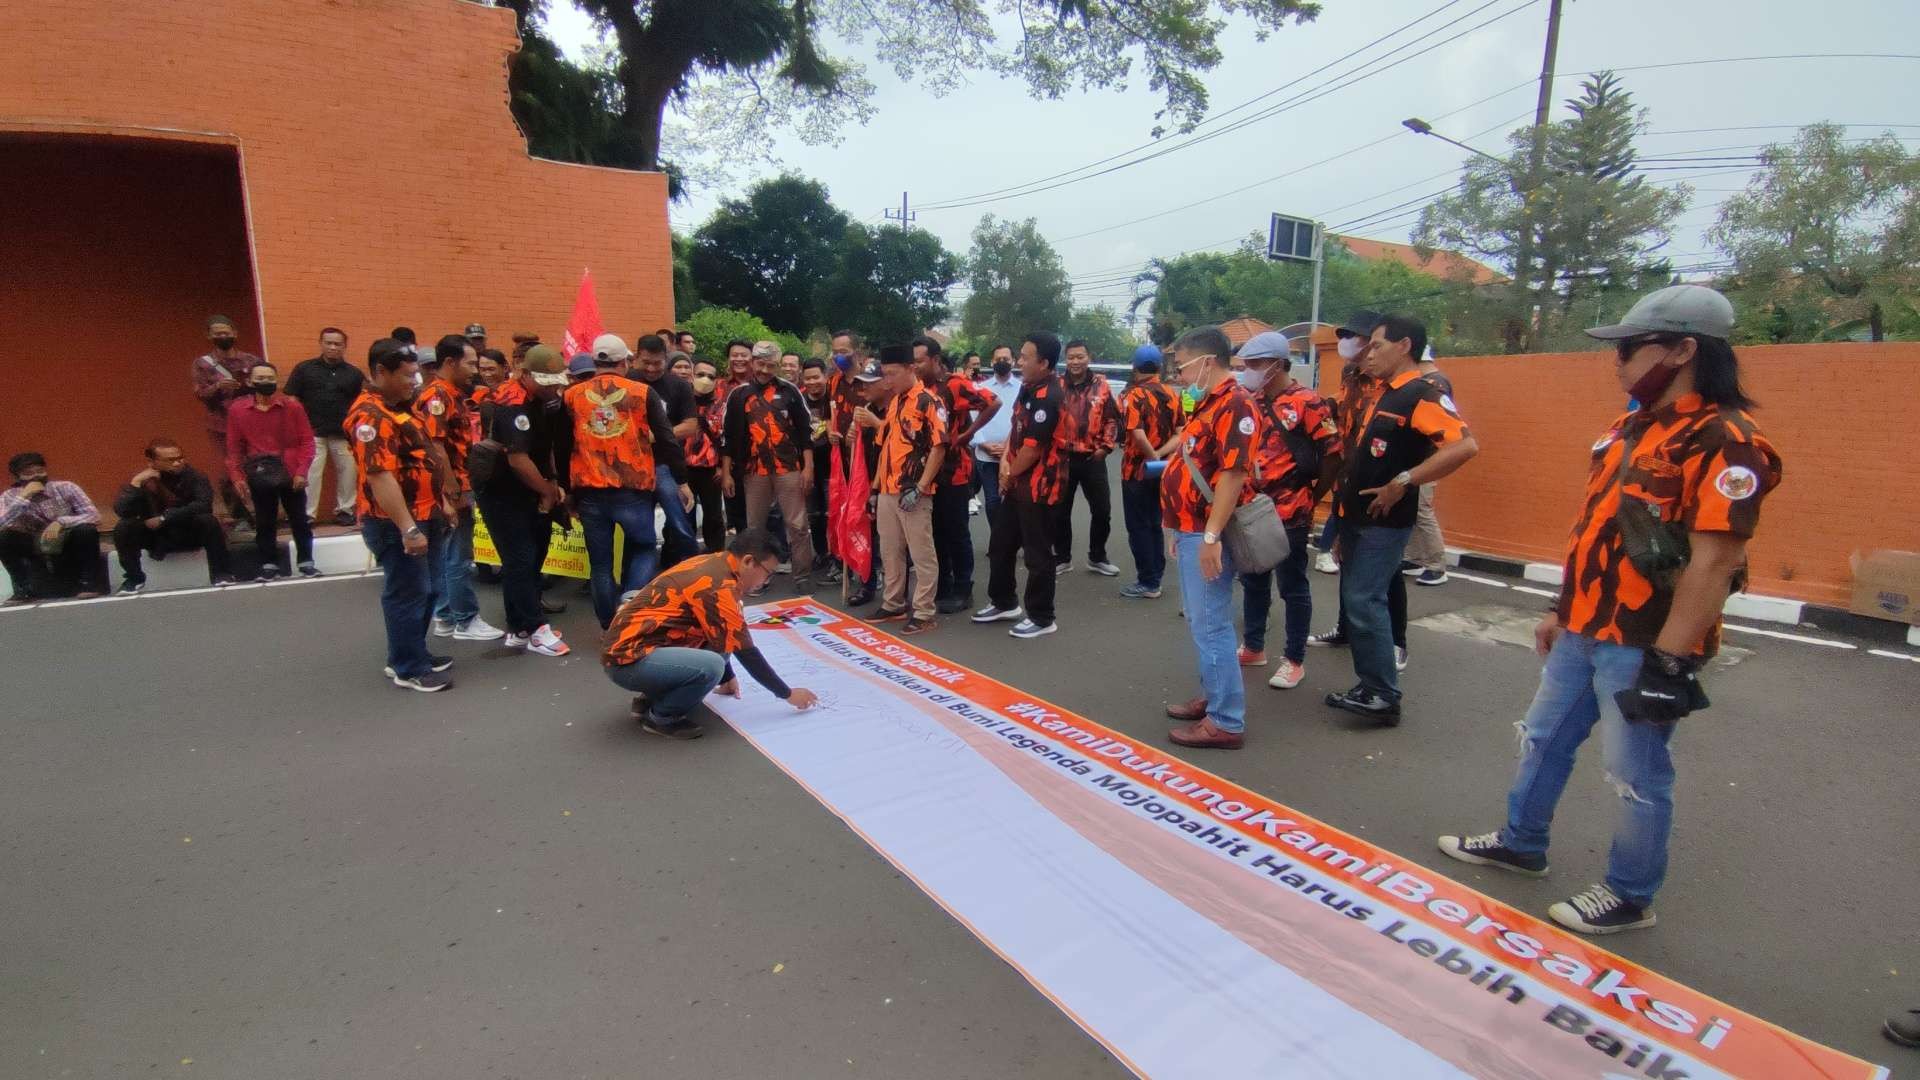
(233,850)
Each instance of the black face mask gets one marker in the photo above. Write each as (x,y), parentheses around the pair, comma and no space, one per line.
(223,342)
(264,389)
(1002,368)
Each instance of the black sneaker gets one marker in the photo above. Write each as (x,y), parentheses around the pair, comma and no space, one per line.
(1327,639)
(19,598)
(1487,850)
(269,572)
(133,586)
(345,517)
(552,607)
(440,663)
(1408,566)
(430,683)
(223,581)
(672,729)
(641,708)
(1599,911)
(861,597)
(918,625)
(1366,703)
(953,605)
(308,570)
(886,614)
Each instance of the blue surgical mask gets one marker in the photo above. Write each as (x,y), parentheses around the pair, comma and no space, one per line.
(843,361)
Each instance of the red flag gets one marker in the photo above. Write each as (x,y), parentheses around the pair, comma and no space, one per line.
(585,324)
(849,526)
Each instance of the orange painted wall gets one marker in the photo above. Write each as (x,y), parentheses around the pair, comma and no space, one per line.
(384,175)
(1841,416)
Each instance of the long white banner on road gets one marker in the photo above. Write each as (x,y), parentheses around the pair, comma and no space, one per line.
(1194,927)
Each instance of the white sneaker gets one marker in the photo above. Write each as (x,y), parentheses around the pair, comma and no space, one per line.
(994,614)
(546,641)
(516,641)
(1287,675)
(1399,658)
(784,568)
(1104,569)
(444,628)
(476,629)
(1063,568)
(1027,628)
(1324,562)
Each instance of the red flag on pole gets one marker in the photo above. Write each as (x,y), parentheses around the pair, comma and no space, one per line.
(849,526)
(585,324)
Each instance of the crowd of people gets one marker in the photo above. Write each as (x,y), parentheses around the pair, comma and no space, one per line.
(741,461)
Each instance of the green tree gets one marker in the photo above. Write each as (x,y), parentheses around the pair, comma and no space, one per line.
(765,57)
(1591,217)
(1826,237)
(887,283)
(713,327)
(766,253)
(1016,280)
(1100,327)
(686,294)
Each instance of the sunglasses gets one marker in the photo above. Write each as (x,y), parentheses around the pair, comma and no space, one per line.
(1626,347)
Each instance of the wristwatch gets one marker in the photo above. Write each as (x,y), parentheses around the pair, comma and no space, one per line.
(1210,537)
(1405,478)
(412,531)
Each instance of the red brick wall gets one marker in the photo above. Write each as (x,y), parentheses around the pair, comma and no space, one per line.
(385,178)
(1840,415)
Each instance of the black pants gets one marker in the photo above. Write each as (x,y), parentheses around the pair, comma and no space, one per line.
(952,542)
(76,567)
(737,502)
(1396,610)
(132,536)
(1088,474)
(520,534)
(267,504)
(705,482)
(817,509)
(1022,527)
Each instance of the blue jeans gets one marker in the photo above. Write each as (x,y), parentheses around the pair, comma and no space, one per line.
(1209,611)
(1140,507)
(1576,691)
(1294,592)
(679,538)
(600,510)
(988,470)
(457,604)
(407,593)
(1370,557)
(673,679)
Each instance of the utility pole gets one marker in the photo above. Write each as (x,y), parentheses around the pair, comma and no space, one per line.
(904,215)
(1523,256)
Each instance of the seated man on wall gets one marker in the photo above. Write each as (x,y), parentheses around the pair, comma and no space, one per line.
(49,526)
(167,507)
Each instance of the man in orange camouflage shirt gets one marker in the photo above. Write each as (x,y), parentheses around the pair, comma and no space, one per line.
(912,432)
(400,512)
(450,420)
(1673,496)
(968,406)
(770,430)
(669,644)
(1030,477)
(1149,412)
(1089,430)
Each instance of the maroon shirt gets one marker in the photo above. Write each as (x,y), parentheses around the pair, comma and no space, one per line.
(281,430)
(207,372)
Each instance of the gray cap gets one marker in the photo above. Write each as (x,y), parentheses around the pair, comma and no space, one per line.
(1676,309)
(1266,345)
(868,374)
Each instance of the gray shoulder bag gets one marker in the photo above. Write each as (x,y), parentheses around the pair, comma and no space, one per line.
(1255,537)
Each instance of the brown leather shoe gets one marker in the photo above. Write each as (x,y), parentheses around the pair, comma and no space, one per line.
(1189,711)
(1204,736)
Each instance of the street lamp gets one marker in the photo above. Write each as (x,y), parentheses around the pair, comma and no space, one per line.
(1523,256)
(1421,127)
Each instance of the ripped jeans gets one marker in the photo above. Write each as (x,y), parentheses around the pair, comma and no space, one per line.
(1576,691)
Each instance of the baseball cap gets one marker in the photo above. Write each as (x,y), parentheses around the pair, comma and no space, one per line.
(610,348)
(1359,324)
(1147,358)
(1676,309)
(1266,345)
(474,329)
(544,364)
(868,374)
(581,364)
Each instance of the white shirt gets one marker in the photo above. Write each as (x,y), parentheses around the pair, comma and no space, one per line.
(1001,425)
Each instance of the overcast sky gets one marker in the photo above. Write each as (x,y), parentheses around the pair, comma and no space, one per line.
(990,135)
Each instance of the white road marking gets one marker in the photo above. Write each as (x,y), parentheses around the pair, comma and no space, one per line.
(1891,655)
(1784,636)
(1531,591)
(1477,579)
(55,605)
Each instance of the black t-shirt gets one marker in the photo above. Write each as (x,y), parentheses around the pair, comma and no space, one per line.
(1408,423)
(677,394)
(326,391)
(530,423)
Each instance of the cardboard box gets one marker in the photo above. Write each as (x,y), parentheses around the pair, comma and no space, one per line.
(1886,585)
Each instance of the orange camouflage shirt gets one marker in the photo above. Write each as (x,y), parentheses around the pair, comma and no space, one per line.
(694,605)
(915,423)
(612,442)
(1219,437)
(391,441)
(771,448)
(702,449)
(961,397)
(450,418)
(1296,433)
(1036,423)
(1704,468)
(1089,416)
(1152,408)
